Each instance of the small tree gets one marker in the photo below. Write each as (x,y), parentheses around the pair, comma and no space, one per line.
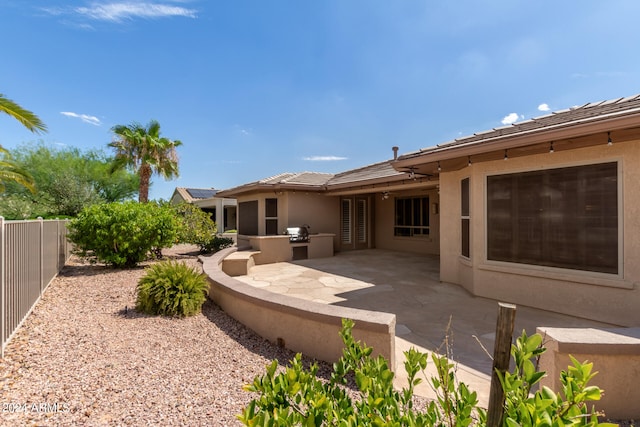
(67,180)
(122,234)
(196,226)
(143,150)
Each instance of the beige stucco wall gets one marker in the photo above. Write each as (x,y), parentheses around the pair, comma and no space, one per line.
(604,297)
(384,218)
(320,212)
(301,326)
(297,208)
(615,354)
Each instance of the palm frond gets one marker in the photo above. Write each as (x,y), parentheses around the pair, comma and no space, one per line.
(26,117)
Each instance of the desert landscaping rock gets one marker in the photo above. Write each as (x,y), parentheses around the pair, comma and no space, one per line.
(84,356)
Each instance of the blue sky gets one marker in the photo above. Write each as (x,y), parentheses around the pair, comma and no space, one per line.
(256,88)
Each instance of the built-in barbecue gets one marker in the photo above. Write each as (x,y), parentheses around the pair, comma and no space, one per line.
(298,234)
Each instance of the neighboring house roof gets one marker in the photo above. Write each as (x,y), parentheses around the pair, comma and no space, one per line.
(192,194)
(560,127)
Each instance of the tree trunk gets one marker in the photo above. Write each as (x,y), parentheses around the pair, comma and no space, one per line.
(145,178)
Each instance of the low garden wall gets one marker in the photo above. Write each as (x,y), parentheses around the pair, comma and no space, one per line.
(307,327)
(615,354)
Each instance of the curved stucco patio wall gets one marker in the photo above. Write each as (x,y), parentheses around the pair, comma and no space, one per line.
(307,327)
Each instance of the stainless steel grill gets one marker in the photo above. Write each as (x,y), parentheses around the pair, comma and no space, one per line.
(298,234)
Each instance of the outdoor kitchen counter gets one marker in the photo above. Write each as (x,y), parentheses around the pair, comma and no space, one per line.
(279,248)
(319,245)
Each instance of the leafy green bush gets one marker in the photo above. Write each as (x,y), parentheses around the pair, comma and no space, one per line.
(544,407)
(122,234)
(171,288)
(296,397)
(216,243)
(196,226)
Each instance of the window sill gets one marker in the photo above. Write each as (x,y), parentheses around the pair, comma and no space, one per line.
(581,277)
(464,260)
(425,238)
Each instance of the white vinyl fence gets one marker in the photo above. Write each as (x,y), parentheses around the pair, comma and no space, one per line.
(32,253)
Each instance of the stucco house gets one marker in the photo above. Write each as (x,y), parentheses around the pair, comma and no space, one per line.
(221,209)
(375,206)
(543,213)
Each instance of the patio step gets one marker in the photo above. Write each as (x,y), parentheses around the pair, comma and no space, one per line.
(239,263)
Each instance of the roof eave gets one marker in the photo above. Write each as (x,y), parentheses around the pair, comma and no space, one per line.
(561,131)
(264,188)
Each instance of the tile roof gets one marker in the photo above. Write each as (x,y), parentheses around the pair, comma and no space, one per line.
(300,178)
(366,173)
(591,112)
(321,181)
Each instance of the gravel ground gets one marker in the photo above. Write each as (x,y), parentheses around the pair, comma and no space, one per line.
(85,357)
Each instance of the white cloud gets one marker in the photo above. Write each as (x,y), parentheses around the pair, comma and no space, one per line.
(323,158)
(125,10)
(118,12)
(244,131)
(509,119)
(543,107)
(84,117)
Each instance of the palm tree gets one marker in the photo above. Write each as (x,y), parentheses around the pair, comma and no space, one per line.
(143,150)
(9,171)
(26,117)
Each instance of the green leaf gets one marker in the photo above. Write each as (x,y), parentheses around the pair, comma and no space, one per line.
(592,393)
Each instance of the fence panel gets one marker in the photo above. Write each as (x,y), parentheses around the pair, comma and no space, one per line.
(31,255)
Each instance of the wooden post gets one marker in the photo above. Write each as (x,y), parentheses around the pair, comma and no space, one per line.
(501,357)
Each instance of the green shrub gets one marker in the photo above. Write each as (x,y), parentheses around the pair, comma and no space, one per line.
(296,397)
(196,226)
(216,243)
(568,408)
(122,234)
(171,288)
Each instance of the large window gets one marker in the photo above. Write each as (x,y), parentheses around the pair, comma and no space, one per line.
(565,218)
(412,216)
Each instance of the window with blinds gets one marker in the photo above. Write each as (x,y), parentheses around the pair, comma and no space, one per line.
(411,216)
(565,218)
(465,219)
(362,221)
(345,223)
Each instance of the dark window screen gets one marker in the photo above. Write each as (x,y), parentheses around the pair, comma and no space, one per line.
(565,218)
(464,214)
(248,218)
(271,208)
(271,216)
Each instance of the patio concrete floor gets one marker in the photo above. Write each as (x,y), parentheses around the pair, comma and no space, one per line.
(426,309)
